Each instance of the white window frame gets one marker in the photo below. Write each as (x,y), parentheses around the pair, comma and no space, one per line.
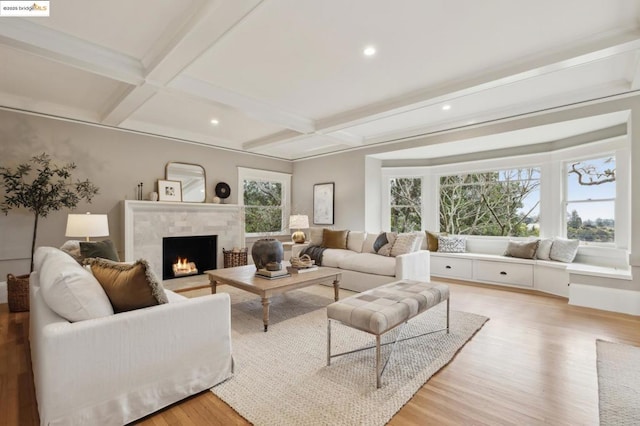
(267,176)
(552,217)
(421,206)
(616,148)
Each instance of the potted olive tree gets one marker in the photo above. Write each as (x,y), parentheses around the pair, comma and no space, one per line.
(41,187)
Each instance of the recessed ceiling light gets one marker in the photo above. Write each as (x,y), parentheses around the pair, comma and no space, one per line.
(446,107)
(215,121)
(369,51)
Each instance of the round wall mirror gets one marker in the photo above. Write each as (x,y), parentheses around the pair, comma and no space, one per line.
(193,180)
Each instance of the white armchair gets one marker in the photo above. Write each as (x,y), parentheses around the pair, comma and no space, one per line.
(118,368)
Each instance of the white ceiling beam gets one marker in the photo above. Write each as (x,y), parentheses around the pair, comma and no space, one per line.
(175,52)
(69,50)
(568,58)
(345,137)
(254,108)
(273,139)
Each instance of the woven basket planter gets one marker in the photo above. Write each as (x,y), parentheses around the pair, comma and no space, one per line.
(18,292)
(234,258)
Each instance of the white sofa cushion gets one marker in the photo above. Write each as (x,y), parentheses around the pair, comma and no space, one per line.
(369,263)
(355,240)
(70,290)
(333,257)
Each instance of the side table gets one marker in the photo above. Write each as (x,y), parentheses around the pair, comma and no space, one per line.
(288,246)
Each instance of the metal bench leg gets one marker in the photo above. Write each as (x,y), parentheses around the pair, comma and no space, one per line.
(447,316)
(378,371)
(328,342)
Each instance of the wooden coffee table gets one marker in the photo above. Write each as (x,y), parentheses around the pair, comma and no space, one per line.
(244,278)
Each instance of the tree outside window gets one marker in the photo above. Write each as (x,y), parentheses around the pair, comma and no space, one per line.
(406,201)
(495,203)
(590,199)
(263,206)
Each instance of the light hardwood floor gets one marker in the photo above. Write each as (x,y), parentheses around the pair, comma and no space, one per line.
(533,363)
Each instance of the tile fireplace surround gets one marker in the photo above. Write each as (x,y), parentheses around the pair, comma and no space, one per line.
(146,223)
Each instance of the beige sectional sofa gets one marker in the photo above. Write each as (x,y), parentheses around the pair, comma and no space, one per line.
(362,268)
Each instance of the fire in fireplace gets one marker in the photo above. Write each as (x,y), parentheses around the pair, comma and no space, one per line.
(183,256)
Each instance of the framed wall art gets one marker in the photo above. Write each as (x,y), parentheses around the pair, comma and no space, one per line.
(323,200)
(169,190)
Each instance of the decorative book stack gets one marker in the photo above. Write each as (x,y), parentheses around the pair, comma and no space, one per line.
(295,270)
(263,273)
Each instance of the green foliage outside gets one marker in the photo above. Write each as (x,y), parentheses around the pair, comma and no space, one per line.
(263,206)
(597,231)
(491,203)
(42,187)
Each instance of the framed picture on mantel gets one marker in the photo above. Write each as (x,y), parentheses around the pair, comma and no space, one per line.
(169,190)
(323,200)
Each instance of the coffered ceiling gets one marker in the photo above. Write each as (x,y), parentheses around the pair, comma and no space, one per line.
(289,79)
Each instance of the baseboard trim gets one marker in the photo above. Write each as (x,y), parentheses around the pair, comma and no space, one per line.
(607,299)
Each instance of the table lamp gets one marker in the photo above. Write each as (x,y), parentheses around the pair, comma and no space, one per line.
(87,225)
(298,221)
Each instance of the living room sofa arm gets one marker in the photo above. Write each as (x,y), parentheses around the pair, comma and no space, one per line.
(414,266)
(161,345)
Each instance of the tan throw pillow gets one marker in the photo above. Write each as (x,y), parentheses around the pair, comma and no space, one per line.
(405,243)
(334,239)
(523,250)
(128,286)
(432,240)
(315,236)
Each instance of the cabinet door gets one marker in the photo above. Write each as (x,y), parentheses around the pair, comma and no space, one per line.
(451,267)
(503,272)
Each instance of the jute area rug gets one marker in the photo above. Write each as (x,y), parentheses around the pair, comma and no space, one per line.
(281,377)
(618,383)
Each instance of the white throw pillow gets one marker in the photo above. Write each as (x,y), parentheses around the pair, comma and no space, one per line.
(564,250)
(355,240)
(405,243)
(544,249)
(452,244)
(71,291)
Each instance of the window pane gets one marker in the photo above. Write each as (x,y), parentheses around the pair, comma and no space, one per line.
(593,179)
(263,219)
(406,200)
(262,193)
(263,206)
(591,221)
(496,203)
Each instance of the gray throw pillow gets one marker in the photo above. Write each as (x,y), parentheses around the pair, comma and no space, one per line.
(522,249)
(564,250)
(102,249)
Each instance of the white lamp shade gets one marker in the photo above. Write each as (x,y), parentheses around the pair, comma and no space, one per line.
(299,221)
(87,225)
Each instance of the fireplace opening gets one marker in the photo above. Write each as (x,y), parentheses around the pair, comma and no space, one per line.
(185,256)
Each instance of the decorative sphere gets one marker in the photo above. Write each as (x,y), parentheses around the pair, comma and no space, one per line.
(216,200)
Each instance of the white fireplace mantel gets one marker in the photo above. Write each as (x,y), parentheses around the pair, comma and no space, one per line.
(146,223)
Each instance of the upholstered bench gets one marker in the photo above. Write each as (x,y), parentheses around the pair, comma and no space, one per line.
(382,309)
